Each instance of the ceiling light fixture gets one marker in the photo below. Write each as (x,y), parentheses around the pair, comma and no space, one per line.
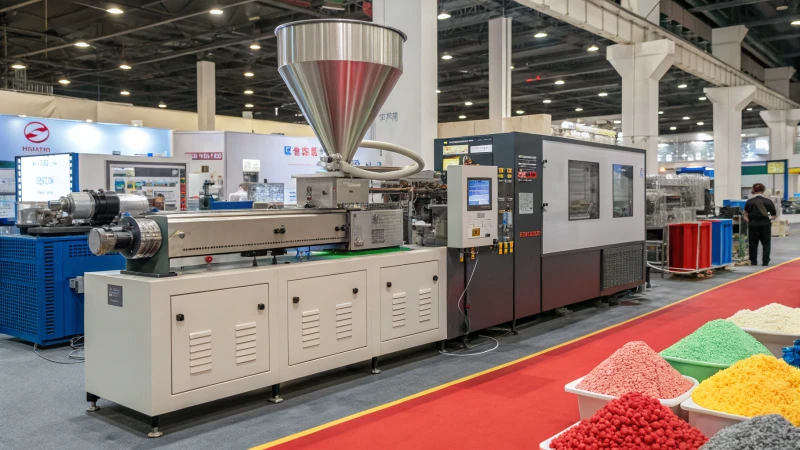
(673,128)
(511,67)
(540,34)
(114,11)
(18,66)
(682,86)
(686,118)
(333,5)
(701,123)
(661,112)
(578,109)
(796,23)
(617,122)
(438,91)
(443,16)
(447,57)
(248,92)
(255,46)
(519,111)
(216,11)
(743,135)
(248,105)
(468,103)
(124,66)
(124,92)
(603,94)
(81,44)
(64,81)
(462,117)
(162,105)
(559,82)
(702,99)
(593,48)
(547,101)
(749,109)
(249,74)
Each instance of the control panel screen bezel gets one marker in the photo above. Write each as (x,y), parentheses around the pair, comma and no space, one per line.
(481,207)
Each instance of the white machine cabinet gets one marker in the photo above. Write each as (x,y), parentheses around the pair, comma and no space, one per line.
(327,315)
(215,341)
(409,299)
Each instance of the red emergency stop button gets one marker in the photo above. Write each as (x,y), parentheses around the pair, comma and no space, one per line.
(209,259)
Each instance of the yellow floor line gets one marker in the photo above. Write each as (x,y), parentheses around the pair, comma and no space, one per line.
(495,368)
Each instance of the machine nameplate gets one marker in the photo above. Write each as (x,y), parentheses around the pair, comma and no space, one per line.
(115,295)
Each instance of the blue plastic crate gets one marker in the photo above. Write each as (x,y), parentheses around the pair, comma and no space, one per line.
(36,302)
(721,242)
(739,203)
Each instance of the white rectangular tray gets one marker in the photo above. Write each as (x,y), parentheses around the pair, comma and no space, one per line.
(708,421)
(773,340)
(546,444)
(591,402)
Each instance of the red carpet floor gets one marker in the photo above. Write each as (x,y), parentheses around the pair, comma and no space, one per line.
(523,404)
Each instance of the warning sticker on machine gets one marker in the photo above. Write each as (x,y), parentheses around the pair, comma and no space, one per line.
(526,203)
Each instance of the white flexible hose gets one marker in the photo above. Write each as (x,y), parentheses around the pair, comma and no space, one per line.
(406,171)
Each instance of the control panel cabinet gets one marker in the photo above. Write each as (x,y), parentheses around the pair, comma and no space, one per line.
(327,315)
(215,341)
(409,299)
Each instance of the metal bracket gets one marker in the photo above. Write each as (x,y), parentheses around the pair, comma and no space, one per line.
(76,284)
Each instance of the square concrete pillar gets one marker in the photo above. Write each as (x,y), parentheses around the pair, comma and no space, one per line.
(726,44)
(499,72)
(782,134)
(649,9)
(206,96)
(778,79)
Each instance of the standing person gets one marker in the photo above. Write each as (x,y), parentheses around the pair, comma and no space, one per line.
(759,212)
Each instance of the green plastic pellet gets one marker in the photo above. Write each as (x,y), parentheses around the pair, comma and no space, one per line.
(718,341)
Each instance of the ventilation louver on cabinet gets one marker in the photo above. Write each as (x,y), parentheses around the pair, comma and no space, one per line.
(344,320)
(246,342)
(200,351)
(622,265)
(425,305)
(310,328)
(399,310)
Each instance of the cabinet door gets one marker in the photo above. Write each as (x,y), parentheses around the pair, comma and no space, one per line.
(219,336)
(409,299)
(327,315)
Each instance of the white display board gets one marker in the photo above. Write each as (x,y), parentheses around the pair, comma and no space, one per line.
(559,234)
(44,177)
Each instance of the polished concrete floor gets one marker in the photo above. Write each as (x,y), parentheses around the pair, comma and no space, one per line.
(43,403)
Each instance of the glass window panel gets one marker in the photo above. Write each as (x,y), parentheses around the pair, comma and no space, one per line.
(584,190)
(622,187)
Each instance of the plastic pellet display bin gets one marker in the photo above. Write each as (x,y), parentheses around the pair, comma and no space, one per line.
(708,421)
(721,241)
(546,444)
(591,402)
(697,370)
(773,340)
(689,246)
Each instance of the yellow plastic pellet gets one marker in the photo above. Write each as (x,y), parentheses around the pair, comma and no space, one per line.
(755,386)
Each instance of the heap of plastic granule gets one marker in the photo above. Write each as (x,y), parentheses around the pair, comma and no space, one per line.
(753,387)
(718,341)
(773,317)
(633,421)
(636,368)
(771,432)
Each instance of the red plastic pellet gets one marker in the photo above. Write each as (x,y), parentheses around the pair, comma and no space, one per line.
(636,368)
(633,421)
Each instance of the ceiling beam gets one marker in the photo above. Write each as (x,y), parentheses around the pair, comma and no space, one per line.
(18,5)
(723,5)
(780,37)
(769,21)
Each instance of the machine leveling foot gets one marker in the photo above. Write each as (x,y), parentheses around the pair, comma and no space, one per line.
(154,433)
(92,399)
(375,369)
(441,344)
(514,327)
(276,394)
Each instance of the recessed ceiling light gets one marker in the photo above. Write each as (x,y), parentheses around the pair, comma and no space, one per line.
(578,109)
(248,105)
(661,112)
(559,82)
(547,101)
(438,91)
(519,111)
(702,99)
(255,46)
(248,92)
(682,86)
(64,81)
(796,23)
(249,74)
(443,16)
(81,44)
(216,11)
(462,117)
(540,34)
(511,67)
(617,122)
(701,123)
(18,66)
(162,105)
(603,94)
(114,11)
(686,118)
(749,109)
(124,92)
(593,48)
(124,66)
(447,57)
(743,135)
(673,128)
(468,103)
(89,120)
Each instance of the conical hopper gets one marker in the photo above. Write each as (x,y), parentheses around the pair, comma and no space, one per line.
(340,73)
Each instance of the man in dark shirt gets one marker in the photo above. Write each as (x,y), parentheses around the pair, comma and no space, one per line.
(759,212)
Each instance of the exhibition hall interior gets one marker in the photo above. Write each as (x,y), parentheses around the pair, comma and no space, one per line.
(400,224)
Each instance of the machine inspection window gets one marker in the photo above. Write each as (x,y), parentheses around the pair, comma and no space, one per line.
(584,190)
(622,186)
(479,194)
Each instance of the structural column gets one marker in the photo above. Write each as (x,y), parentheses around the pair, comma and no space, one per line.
(649,9)
(410,115)
(206,96)
(641,66)
(728,105)
(499,72)
(778,79)
(782,131)
(726,45)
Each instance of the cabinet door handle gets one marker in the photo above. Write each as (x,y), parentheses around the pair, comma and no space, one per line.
(355,290)
(389,284)
(179,317)
(436,278)
(295,300)
(261,307)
